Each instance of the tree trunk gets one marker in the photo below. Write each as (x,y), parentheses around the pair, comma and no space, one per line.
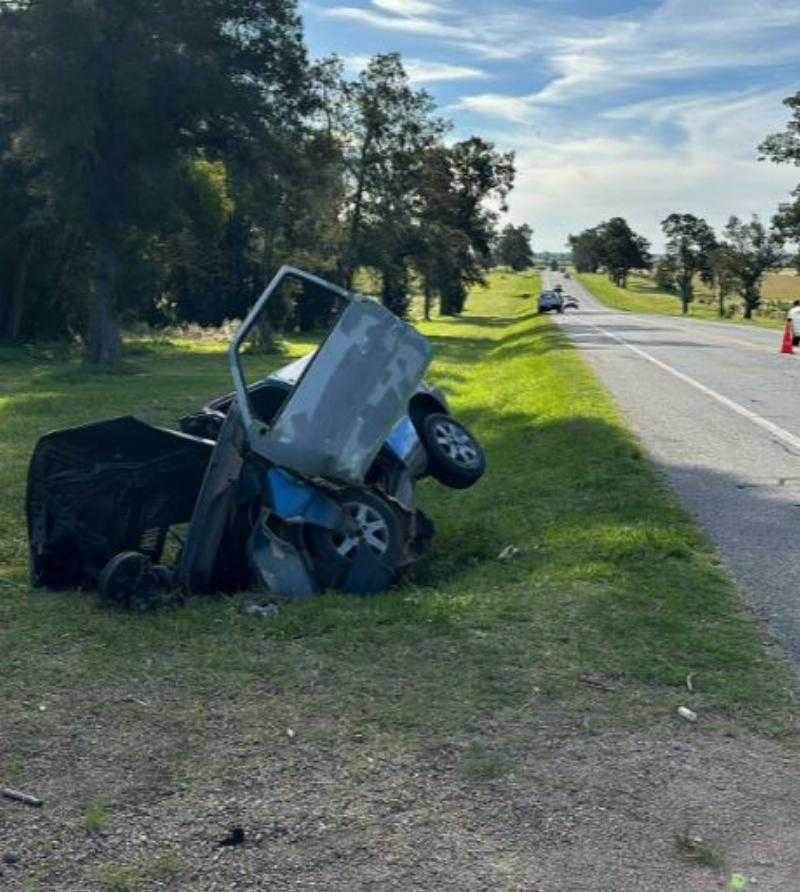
(721,299)
(686,295)
(358,206)
(14,320)
(104,345)
(748,310)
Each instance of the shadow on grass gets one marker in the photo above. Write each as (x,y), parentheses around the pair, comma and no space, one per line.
(611,578)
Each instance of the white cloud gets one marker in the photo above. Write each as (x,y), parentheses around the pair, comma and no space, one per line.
(680,38)
(408,7)
(564,186)
(585,149)
(421,71)
(494,105)
(406,24)
(592,57)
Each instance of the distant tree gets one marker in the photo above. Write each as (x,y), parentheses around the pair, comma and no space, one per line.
(622,250)
(784,148)
(665,274)
(750,251)
(690,243)
(723,275)
(116,96)
(587,251)
(514,247)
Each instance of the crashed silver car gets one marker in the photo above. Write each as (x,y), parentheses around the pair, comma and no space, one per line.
(291,485)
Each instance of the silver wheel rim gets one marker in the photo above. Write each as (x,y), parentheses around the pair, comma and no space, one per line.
(456,444)
(372,529)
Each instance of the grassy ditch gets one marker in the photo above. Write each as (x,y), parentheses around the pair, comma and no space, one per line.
(611,602)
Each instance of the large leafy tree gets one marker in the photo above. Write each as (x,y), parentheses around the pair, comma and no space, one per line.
(386,128)
(117,96)
(514,247)
(689,248)
(750,250)
(462,190)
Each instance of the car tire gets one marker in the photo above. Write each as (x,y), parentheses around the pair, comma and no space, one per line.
(455,457)
(332,553)
(130,580)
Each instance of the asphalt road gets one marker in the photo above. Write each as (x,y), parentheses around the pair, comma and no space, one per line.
(718,408)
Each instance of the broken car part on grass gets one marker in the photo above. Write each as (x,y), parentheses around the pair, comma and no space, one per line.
(297,483)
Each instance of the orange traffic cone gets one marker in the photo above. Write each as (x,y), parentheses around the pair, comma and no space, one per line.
(786,346)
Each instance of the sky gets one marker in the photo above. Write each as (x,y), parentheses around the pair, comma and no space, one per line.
(613,107)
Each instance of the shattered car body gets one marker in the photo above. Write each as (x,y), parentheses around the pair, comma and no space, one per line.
(294,484)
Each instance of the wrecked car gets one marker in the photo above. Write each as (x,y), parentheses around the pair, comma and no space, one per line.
(291,485)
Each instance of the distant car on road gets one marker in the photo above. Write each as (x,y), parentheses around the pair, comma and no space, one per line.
(551,300)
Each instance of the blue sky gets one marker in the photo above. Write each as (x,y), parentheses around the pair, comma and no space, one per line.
(613,107)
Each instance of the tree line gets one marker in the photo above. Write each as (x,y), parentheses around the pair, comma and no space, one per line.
(159,160)
(733,263)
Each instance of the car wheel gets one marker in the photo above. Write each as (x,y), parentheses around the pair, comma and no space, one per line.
(455,457)
(373,522)
(130,580)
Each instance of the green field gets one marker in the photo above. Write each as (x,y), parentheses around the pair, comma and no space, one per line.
(131,723)
(643,296)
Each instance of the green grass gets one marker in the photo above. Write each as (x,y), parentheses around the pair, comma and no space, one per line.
(613,599)
(698,851)
(95,815)
(643,296)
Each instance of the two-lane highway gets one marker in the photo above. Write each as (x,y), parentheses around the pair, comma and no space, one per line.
(718,408)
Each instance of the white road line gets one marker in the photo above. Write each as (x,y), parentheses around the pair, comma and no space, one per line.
(763,423)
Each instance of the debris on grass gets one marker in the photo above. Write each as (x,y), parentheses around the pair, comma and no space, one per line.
(510,551)
(689,714)
(234,838)
(693,847)
(18,796)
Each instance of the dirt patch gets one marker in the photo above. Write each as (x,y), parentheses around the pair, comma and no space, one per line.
(571,811)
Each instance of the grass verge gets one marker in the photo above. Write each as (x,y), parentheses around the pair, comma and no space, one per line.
(613,599)
(643,296)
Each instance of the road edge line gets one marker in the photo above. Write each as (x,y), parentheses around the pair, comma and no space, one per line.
(751,416)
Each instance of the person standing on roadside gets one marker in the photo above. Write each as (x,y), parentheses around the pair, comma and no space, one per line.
(794,317)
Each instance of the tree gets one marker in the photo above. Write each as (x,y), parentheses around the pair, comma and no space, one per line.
(690,243)
(784,148)
(118,94)
(587,250)
(750,251)
(514,247)
(665,274)
(388,127)
(460,193)
(622,250)
(723,275)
